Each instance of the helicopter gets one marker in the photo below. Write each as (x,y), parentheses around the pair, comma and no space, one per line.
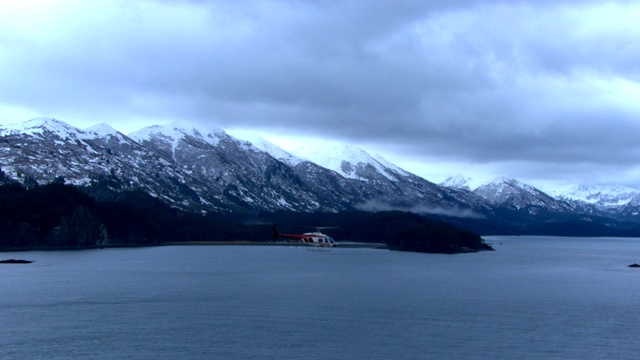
(311,238)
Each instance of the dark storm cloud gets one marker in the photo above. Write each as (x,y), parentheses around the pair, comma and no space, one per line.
(496,82)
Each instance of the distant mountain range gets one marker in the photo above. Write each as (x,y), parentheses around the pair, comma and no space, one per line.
(618,201)
(204,170)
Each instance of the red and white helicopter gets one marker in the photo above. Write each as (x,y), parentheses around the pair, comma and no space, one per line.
(312,238)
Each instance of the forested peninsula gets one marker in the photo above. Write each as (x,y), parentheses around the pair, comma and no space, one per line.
(60,216)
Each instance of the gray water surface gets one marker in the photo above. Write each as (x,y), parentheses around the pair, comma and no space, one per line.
(533,298)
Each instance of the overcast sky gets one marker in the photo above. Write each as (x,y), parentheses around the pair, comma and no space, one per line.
(544,91)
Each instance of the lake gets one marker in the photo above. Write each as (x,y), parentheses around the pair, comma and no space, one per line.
(533,298)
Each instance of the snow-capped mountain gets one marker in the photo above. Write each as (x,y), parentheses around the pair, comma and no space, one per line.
(275,151)
(457,182)
(235,170)
(613,195)
(381,185)
(615,201)
(201,169)
(631,210)
(618,201)
(38,126)
(468,183)
(500,190)
(512,193)
(207,169)
(102,130)
(349,161)
(44,150)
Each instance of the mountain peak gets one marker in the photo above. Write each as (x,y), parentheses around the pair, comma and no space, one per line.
(234,175)
(42,120)
(40,124)
(178,130)
(502,180)
(345,159)
(275,151)
(102,129)
(596,194)
(473,183)
(458,181)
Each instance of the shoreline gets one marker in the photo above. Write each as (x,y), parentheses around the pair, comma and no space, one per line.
(346,244)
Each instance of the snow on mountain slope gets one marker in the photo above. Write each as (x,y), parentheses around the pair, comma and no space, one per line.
(604,195)
(472,183)
(49,149)
(37,126)
(275,151)
(501,190)
(234,170)
(457,182)
(169,134)
(385,163)
(207,169)
(176,131)
(43,127)
(101,130)
(348,161)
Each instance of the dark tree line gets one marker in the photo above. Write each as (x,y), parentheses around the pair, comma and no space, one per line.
(58,215)
(399,230)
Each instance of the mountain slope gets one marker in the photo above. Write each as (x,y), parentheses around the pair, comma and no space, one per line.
(614,195)
(620,202)
(207,170)
(234,170)
(512,193)
(48,149)
(381,185)
(349,161)
(275,151)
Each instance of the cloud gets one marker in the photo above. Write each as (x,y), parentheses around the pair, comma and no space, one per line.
(544,83)
(375,205)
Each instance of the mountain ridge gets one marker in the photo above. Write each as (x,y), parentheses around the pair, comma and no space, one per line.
(205,169)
